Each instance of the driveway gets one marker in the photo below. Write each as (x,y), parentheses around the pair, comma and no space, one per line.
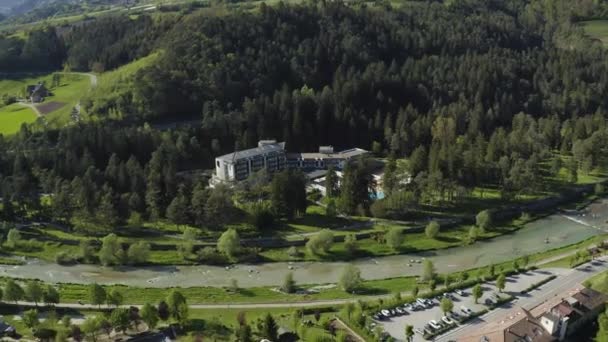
(395,326)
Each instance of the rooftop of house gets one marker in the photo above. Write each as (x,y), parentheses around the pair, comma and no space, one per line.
(520,327)
(590,299)
(523,325)
(562,309)
(528,330)
(263,147)
(35,87)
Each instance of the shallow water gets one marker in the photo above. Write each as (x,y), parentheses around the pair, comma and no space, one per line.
(558,229)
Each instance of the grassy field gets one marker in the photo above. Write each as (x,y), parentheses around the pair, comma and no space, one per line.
(598,282)
(112,84)
(13,116)
(597,29)
(65,96)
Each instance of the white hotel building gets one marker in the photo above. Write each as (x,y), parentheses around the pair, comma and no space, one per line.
(271,155)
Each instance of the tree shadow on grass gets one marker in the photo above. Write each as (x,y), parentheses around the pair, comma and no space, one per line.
(371,291)
(447,239)
(246,293)
(209,328)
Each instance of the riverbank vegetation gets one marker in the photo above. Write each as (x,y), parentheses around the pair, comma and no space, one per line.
(367,289)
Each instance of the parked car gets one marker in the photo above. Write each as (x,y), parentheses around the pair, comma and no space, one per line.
(386,313)
(399,311)
(460,293)
(466,310)
(455,315)
(489,301)
(433,323)
(447,320)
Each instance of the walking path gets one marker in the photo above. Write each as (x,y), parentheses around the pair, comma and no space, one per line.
(30,106)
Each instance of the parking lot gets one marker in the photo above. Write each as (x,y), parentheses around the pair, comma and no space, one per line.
(395,326)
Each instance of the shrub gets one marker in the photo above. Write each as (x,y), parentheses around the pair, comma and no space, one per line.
(210,255)
(320,243)
(64,258)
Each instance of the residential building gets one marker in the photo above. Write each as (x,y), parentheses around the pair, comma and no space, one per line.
(37,92)
(554,320)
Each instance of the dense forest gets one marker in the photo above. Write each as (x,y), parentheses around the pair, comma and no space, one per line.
(472,92)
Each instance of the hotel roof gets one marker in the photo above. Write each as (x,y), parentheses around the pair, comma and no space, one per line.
(252,152)
(347,154)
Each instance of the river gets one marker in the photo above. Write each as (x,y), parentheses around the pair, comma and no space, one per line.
(559,229)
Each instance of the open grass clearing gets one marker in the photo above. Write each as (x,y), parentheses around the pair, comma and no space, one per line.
(598,282)
(57,107)
(13,116)
(597,29)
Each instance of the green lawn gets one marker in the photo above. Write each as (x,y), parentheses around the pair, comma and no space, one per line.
(413,242)
(597,29)
(70,92)
(598,282)
(13,116)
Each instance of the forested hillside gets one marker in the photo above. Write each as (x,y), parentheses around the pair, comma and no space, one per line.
(471,91)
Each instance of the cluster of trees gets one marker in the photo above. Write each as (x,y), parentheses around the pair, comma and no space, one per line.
(174,307)
(32,291)
(489,103)
(266,328)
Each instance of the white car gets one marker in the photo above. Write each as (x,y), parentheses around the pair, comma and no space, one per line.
(433,323)
(460,293)
(466,310)
(386,313)
(447,320)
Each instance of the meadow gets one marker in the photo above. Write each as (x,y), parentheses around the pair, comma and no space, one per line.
(55,109)
(13,116)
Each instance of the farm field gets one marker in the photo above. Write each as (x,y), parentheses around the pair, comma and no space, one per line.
(597,29)
(56,108)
